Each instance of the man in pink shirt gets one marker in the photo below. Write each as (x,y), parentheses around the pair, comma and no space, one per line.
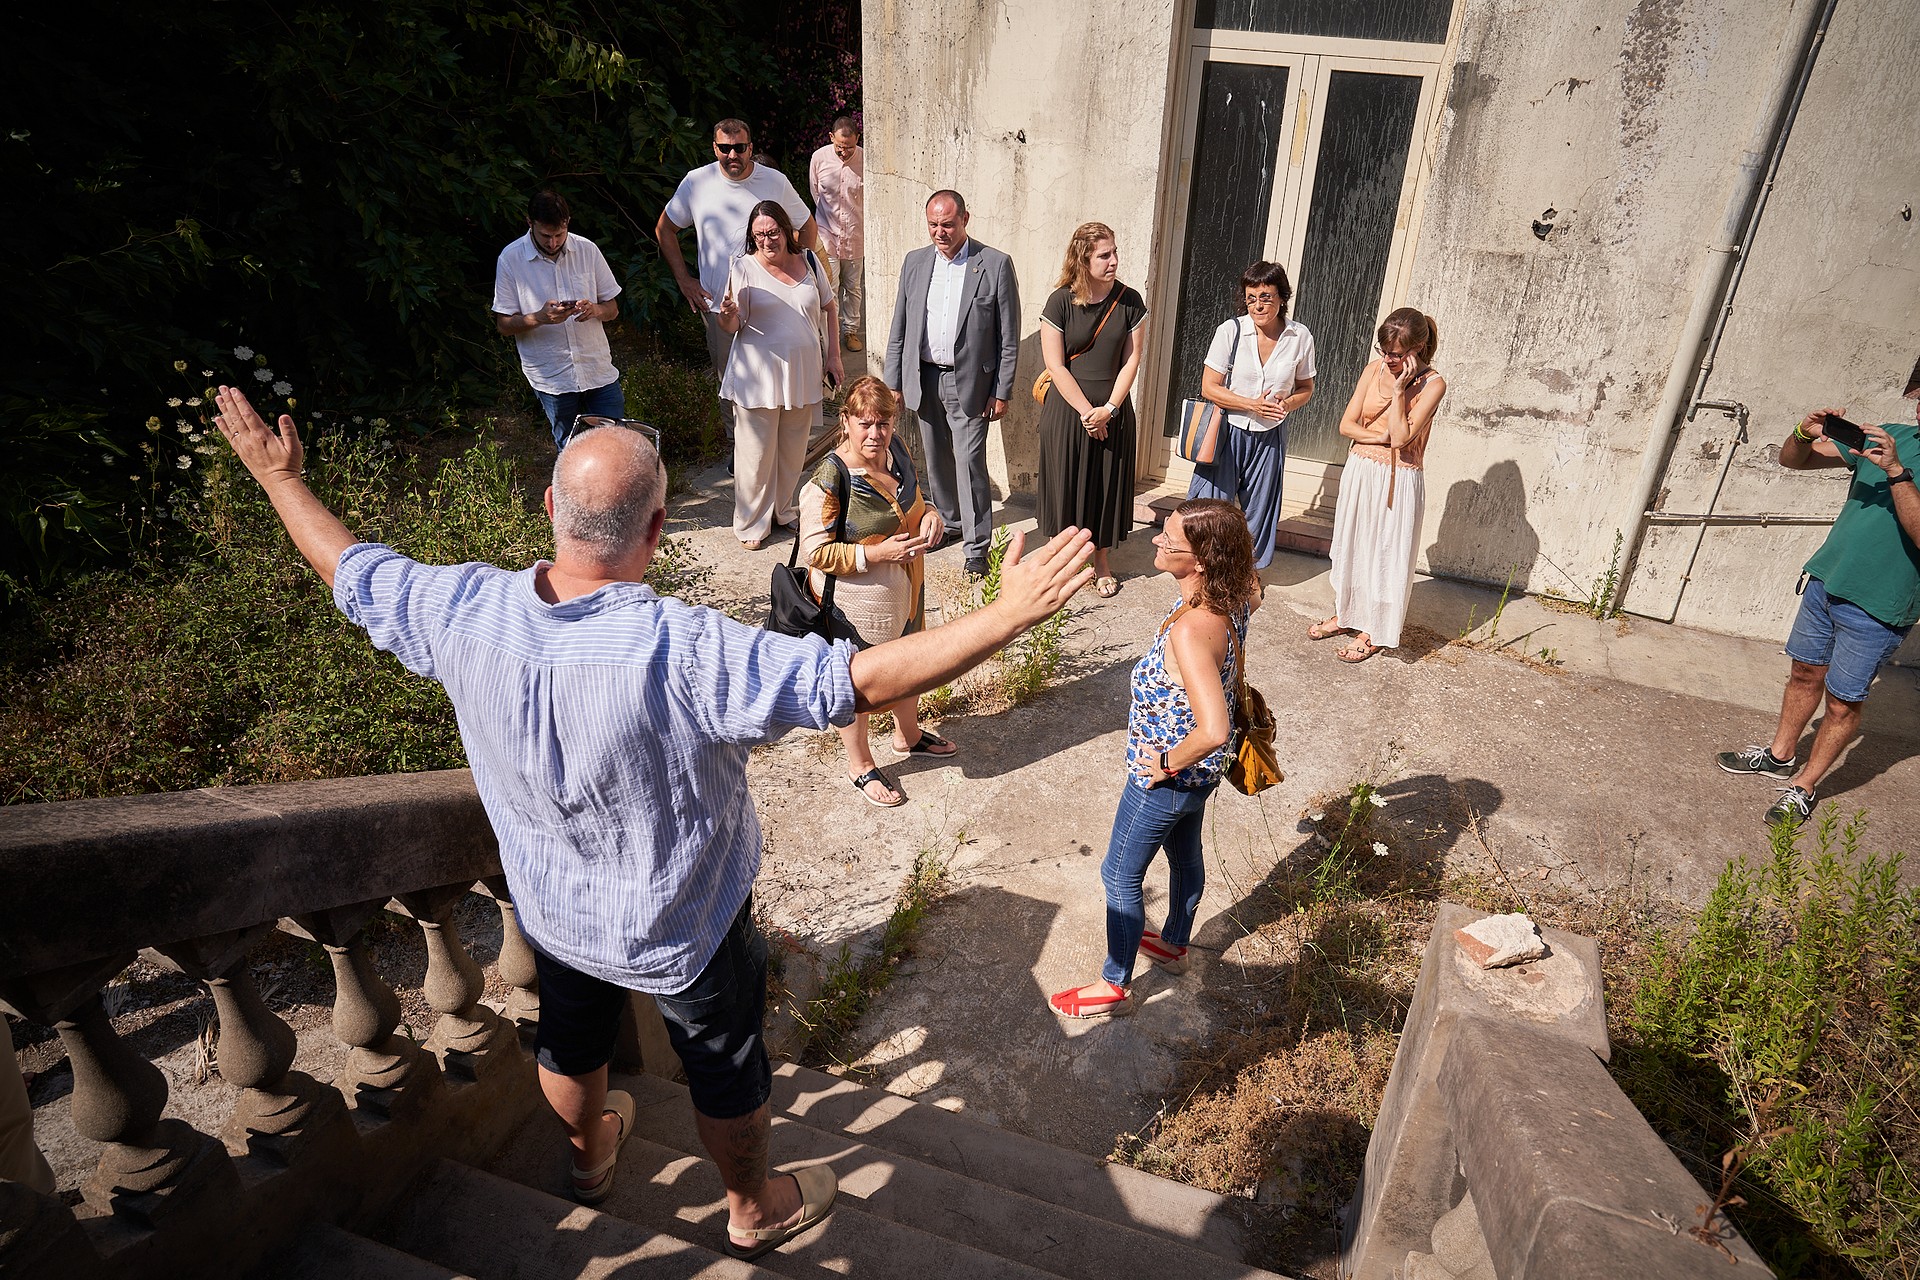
(838,178)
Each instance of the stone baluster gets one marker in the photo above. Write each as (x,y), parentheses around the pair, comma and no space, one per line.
(516,961)
(387,1073)
(470,1040)
(151,1169)
(281,1113)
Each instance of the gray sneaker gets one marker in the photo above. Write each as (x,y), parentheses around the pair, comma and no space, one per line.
(1794,807)
(1756,759)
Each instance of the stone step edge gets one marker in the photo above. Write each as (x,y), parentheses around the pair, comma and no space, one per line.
(452,1181)
(1032,1166)
(1020,1165)
(326,1252)
(942,1204)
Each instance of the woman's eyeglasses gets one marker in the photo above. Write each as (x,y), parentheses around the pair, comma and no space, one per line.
(588,421)
(1168,544)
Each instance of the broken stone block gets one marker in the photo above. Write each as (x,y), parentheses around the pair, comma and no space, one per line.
(1495,942)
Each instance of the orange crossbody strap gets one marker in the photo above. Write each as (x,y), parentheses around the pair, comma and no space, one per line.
(1097,328)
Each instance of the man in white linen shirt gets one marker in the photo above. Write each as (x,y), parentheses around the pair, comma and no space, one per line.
(716,200)
(553,295)
(950,355)
(608,730)
(837,178)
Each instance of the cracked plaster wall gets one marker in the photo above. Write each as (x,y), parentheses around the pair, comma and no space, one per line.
(1625,119)
(1043,116)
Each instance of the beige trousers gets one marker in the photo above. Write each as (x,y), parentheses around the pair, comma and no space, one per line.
(20,1159)
(769,448)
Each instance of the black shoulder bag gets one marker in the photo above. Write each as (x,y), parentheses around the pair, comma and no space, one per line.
(792,610)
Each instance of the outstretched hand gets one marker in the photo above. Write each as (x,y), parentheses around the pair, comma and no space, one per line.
(1038,587)
(264,454)
(274,460)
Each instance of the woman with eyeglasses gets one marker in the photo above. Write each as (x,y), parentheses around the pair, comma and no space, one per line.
(1383,489)
(1258,370)
(878,561)
(778,304)
(1178,726)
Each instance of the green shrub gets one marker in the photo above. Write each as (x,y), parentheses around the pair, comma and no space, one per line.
(233,666)
(1784,1028)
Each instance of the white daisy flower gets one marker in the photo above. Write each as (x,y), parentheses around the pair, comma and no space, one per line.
(1379,850)
(282,388)
(173,402)
(263,375)
(183,462)
(241,353)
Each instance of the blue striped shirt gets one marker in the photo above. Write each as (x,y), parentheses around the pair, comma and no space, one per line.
(608,737)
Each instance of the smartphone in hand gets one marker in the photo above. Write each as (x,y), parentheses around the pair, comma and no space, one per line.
(1840,431)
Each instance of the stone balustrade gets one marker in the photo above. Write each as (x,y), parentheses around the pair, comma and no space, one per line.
(195,881)
(1505,1151)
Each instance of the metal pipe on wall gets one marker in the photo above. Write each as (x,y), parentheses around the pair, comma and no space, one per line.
(1686,376)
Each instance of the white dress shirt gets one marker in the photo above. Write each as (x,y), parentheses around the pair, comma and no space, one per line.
(1290,361)
(572,355)
(944,289)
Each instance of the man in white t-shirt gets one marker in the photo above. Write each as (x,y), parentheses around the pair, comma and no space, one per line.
(837,178)
(553,295)
(715,200)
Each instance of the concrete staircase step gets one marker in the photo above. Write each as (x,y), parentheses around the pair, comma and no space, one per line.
(494,1229)
(1013,1161)
(330,1253)
(671,1192)
(949,1185)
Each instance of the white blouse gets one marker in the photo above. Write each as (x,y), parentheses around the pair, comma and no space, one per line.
(1290,361)
(777,361)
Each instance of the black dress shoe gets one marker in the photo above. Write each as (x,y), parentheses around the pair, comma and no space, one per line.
(976,568)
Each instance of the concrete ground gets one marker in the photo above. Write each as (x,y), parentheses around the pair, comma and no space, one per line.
(1595,774)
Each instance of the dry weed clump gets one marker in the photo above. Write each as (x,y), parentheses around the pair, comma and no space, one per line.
(1314,979)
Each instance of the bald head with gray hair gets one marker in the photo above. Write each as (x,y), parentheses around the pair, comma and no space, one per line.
(607,487)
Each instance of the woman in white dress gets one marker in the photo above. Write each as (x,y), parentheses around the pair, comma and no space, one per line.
(1259,369)
(778,304)
(1383,489)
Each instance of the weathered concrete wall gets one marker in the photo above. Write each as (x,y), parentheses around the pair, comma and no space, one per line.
(1828,313)
(1043,117)
(1623,119)
(1626,119)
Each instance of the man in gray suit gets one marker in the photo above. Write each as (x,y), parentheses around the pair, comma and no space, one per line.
(956,335)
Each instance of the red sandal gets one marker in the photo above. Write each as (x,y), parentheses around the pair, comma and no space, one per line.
(1072,1004)
(1172,959)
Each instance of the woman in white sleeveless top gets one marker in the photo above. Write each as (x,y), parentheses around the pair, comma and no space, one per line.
(1383,490)
(778,304)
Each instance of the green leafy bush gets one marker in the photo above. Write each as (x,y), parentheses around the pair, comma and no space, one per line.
(329,180)
(233,666)
(1785,1028)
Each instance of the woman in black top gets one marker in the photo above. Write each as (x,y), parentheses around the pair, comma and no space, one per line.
(1092,332)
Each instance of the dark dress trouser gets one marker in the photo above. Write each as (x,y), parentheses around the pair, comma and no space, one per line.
(955,446)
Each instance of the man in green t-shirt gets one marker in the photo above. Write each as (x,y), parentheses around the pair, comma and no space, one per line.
(1860,595)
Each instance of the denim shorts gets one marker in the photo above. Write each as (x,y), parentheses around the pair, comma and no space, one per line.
(715,1025)
(1842,637)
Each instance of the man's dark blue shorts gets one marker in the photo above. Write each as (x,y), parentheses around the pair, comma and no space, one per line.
(715,1024)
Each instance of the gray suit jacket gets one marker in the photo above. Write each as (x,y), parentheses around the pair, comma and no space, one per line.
(988,340)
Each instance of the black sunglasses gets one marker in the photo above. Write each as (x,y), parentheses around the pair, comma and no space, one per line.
(588,421)
(732,148)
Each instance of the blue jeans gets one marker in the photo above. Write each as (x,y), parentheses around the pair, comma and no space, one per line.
(1146,822)
(563,407)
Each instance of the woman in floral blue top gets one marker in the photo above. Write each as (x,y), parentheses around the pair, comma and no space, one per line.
(1177,730)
